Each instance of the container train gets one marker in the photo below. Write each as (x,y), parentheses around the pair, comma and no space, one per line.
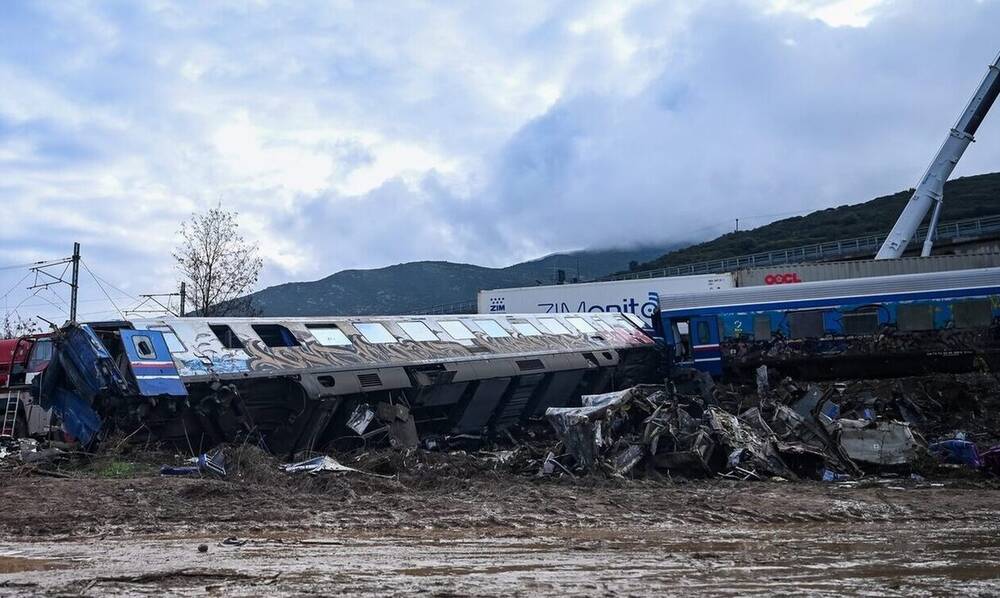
(877,326)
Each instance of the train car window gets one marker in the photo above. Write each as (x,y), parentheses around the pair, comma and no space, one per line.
(581,325)
(553,325)
(226,336)
(526,329)
(805,324)
(915,316)
(375,333)
(492,328)
(457,330)
(762,327)
(275,335)
(601,325)
(41,354)
(974,313)
(174,344)
(143,347)
(329,335)
(418,331)
(860,322)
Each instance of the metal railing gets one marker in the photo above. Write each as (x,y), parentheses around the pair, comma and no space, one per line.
(956,229)
(457,307)
(844,248)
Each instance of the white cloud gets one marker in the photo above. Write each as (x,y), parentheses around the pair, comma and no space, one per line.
(358,135)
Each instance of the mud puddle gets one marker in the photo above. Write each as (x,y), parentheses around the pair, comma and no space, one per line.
(869,559)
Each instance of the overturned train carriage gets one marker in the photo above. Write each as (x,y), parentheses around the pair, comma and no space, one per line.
(298,381)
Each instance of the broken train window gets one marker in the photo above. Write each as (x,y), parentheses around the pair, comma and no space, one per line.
(275,335)
(226,336)
(328,335)
(143,347)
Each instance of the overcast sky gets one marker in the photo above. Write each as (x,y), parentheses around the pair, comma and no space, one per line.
(362,134)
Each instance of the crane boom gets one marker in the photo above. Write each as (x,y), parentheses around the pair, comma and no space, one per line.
(930,192)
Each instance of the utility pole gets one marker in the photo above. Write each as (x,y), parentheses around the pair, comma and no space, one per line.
(183,297)
(74,285)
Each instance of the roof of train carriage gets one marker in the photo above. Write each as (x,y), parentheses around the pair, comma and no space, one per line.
(833,289)
(401,340)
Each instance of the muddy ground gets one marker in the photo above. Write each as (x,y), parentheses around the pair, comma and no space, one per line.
(447,526)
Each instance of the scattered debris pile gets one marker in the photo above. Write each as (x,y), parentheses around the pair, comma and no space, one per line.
(689,427)
(692,427)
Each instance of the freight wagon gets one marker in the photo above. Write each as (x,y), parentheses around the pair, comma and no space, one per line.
(878,326)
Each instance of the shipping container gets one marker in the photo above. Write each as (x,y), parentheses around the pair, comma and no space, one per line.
(639,297)
(818,271)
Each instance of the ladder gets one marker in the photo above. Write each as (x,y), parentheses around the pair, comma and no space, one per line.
(9,423)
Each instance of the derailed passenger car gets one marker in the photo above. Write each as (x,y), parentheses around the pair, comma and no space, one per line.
(295,382)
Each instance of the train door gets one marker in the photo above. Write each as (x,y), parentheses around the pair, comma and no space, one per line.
(151,363)
(679,342)
(705,350)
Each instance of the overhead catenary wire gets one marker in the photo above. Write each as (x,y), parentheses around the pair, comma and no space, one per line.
(103,290)
(38,264)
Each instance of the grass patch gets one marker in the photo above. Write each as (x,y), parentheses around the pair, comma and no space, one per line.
(117,469)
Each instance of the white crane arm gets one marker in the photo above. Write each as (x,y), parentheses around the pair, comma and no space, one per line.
(930,191)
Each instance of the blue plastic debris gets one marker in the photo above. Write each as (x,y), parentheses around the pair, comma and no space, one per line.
(832,476)
(204,463)
(957,452)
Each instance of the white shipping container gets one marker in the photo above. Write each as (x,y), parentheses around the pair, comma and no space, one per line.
(639,297)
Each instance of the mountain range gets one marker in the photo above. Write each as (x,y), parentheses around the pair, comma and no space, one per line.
(419,286)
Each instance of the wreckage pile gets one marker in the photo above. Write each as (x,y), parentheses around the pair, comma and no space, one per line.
(689,427)
(831,431)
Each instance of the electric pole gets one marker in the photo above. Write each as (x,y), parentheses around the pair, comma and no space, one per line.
(74,285)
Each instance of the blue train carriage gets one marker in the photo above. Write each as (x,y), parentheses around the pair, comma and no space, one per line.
(879,326)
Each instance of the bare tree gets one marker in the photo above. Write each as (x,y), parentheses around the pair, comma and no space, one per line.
(14,326)
(220,266)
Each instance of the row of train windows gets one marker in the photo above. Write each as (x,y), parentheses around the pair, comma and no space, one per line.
(910,317)
(276,335)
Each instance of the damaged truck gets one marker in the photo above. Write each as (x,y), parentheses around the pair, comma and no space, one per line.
(303,384)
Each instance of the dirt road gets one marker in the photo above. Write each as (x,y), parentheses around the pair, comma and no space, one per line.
(494,535)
